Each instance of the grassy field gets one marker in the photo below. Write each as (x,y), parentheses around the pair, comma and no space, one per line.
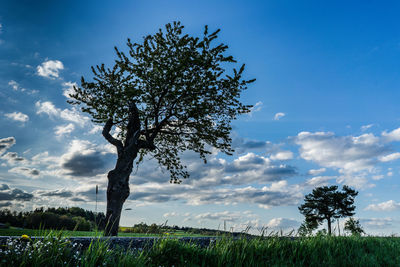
(273,251)
(31,232)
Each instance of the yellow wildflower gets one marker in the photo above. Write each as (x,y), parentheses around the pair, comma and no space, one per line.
(26,237)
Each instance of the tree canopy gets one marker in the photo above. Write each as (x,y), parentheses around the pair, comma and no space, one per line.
(184,98)
(327,203)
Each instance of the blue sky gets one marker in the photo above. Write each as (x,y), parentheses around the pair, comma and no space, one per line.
(326,110)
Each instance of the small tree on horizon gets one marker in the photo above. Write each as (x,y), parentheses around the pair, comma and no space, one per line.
(168,94)
(354,227)
(326,203)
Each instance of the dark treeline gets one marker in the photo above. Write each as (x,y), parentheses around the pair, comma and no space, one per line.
(54,218)
(159,229)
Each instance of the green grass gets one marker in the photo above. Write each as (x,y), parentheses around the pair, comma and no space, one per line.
(31,232)
(273,251)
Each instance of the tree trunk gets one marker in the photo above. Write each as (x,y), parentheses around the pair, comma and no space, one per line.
(117,193)
(329,226)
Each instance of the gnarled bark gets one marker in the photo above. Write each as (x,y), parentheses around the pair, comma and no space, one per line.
(118,179)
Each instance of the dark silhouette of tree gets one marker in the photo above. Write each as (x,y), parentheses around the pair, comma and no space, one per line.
(307,227)
(168,94)
(354,227)
(326,203)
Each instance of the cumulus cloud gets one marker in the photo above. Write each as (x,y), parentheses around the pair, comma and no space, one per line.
(17,116)
(6,143)
(252,168)
(12,158)
(278,194)
(377,223)
(64,129)
(279,115)
(390,157)
(15,86)
(71,115)
(347,153)
(242,145)
(61,193)
(316,171)
(228,216)
(282,155)
(84,159)
(283,224)
(389,205)
(28,172)
(392,135)
(50,69)
(13,194)
(68,88)
(319,181)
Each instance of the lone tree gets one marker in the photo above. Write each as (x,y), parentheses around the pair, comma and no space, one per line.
(168,94)
(326,203)
(354,227)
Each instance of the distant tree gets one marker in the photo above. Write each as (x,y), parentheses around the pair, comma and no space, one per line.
(307,227)
(326,203)
(170,94)
(354,227)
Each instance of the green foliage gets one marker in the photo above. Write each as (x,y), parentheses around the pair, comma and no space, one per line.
(327,203)
(273,251)
(354,227)
(54,218)
(184,97)
(306,228)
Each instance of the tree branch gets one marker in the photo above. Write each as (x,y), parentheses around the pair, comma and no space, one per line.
(109,138)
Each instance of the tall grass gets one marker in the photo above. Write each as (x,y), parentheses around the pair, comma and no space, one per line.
(55,250)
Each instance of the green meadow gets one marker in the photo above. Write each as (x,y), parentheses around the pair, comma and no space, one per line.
(56,250)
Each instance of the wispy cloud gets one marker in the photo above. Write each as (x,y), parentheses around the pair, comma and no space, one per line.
(17,116)
(366,127)
(389,205)
(257,107)
(6,143)
(279,115)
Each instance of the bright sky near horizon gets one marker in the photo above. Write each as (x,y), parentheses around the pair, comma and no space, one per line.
(325,110)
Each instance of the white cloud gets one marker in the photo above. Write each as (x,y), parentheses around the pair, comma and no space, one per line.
(319,181)
(50,69)
(256,107)
(282,155)
(28,172)
(390,157)
(377,223)
(6,143)
(392,136)
(15,86)
(48,108)
(12,158)
(283,224)
(316,172)
(366,127)
(347,153)
(71,115)
(220,216)
(279,115)
(68,88)
(64,129)
(170,214)
(17,116)
(390,205)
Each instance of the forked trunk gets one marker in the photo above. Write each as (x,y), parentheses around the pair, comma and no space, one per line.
(117,193)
